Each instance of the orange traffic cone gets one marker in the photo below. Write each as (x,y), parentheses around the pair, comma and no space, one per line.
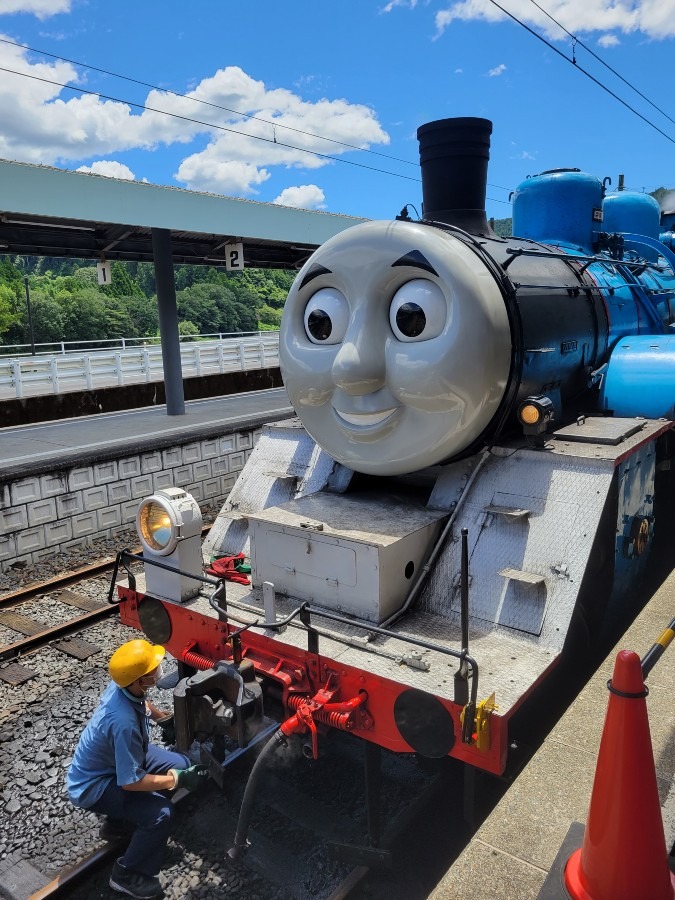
(624,855)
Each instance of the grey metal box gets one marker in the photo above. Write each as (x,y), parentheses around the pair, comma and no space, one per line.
(357,554)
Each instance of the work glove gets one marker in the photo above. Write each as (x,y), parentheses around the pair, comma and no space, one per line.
(168,726)
(191,779)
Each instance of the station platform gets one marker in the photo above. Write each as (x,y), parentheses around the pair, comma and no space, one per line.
(513,852)
(32,449)
(68,483)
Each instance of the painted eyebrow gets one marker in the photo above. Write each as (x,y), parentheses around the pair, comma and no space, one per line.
(313,273)
(417,260)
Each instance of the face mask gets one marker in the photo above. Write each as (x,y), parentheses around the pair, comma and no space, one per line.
(151,679)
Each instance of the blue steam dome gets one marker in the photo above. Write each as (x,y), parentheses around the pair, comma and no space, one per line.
(560,206)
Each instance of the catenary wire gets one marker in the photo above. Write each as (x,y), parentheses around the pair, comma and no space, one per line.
(256,137)
(601,60)
(581,69)
(273,125)
(228,109)
(174,115)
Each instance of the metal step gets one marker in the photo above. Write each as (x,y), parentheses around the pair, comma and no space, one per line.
(523,577)
(511,514)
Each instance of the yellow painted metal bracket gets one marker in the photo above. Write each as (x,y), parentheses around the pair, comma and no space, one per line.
(481,722)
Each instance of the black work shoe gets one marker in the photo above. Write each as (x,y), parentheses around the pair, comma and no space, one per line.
(135,884)
(115,829)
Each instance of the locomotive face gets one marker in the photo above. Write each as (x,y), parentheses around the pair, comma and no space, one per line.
(395,347)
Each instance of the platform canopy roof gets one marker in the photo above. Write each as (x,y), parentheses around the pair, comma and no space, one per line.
(53,212)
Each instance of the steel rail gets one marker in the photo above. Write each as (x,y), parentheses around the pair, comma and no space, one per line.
(63,629)
(65,879)
(59,581)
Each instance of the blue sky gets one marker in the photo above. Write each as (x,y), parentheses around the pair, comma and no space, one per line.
(364,73)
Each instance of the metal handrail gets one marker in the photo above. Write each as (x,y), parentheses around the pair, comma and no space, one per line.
(121,343)
(102,368)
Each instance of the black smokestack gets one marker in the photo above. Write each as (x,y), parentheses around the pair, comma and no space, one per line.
(454,156)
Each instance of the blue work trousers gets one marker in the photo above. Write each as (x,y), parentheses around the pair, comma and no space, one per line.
(150,811)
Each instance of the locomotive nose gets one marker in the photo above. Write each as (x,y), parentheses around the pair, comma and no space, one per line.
(359,365)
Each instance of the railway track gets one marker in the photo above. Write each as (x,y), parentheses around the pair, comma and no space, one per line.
(297,839)
(309,831)
(52,612)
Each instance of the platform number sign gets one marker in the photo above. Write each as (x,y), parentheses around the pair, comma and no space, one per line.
(103,270)
(234,257)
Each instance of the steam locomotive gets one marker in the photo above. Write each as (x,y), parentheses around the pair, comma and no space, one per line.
(470,488)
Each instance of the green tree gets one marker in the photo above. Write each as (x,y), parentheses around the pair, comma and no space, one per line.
(121,282)
(86,276)
(269,317)
(143,314)
(200,304)
(117,321)
(187,329)
(9,314)
(48,319)
(84,315)
(502,227)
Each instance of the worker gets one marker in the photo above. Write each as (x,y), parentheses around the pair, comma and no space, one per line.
(116,772)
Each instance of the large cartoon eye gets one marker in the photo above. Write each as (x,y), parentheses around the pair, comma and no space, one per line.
(326,317)
(418,311)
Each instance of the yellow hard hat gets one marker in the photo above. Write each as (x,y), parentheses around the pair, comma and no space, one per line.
(133,660)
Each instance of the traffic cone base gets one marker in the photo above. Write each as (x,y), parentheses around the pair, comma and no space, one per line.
(624,855)
(575,881)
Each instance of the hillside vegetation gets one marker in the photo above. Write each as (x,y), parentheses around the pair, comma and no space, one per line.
(68,304)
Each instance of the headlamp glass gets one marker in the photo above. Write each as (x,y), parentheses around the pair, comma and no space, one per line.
(155,526)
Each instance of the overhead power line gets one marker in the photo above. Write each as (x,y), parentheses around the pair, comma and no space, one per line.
(578,40)
(173,115)
(273,125)
(584,71)
(236,112)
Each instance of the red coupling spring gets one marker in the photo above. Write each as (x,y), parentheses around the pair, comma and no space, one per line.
(334,719)
(196,660)
(336,715)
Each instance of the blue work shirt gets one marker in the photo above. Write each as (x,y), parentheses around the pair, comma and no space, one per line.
(112,746)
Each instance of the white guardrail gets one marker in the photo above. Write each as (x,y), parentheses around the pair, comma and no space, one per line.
(59,373)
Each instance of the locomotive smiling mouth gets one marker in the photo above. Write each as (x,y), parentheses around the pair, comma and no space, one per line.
(364,420)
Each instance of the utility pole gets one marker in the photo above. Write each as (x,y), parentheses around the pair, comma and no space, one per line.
(30,317)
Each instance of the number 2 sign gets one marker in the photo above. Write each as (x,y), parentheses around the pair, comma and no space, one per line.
(234,256)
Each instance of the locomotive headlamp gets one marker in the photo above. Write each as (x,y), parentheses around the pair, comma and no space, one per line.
(535,414)
(169,524)
(155,526)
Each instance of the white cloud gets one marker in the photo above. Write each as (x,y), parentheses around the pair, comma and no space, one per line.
(497,71)
(394,3)
(43,9)
(655,18)
(244,156)
(109,168)
(206,171)
(304,196)
(524,154)
(608,40)
(43,123)
(459,71)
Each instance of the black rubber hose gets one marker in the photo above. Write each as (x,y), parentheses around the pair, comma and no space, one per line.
(240,842)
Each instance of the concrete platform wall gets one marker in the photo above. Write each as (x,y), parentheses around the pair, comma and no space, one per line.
(50,407)
(47,513)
